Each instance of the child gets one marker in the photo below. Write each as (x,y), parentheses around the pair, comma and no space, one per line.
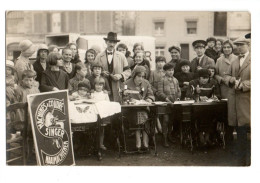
(54,79)
(100,95)
(27,86)
(11,81)
(83,91)
(157,74)
(96,73)
(210,52)
(184,77)
(202,89)
(139,117)
(140,61)
(169,91)
(123,49)
(81,72)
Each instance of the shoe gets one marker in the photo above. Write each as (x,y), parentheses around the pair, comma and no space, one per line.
(146,149)
(103,147)
(138,149)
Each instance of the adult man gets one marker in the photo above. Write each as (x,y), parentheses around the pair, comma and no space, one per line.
(23,63)
(115,65)
(41,65)
(201,61)
(238,77)
(175,52)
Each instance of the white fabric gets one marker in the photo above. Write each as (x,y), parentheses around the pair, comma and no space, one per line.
(100,96)
(106,108)
(243,59)
(109,57)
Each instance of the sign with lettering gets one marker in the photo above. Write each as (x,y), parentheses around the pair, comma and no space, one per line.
(51,128)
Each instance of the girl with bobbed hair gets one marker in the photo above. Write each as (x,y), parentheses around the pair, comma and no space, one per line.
(75,52)
(139,59)
(90,56)
(218,48)
(54,79)
(222,65)
(140,47)
(123,49)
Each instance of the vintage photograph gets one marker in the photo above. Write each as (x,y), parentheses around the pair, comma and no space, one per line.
(128,88)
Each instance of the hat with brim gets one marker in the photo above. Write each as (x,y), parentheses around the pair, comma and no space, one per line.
(175,47)
(26,46)
(204,73)
(43,47)
(241,40)
(199,43)
(111,36)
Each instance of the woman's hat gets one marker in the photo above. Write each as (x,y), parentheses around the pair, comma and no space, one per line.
(43,47)
(204,73)
(112,36)
(27,46)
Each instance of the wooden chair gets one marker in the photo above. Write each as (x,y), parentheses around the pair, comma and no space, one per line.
(16,148)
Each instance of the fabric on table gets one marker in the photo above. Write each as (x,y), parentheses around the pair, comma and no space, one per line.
(106,108)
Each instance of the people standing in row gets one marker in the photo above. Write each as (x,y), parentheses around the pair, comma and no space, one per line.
(201,61)
(115,65)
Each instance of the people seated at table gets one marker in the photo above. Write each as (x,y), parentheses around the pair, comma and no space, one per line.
(100,95)
(81,72)
(82,92)
(67,66)
(203,88)
(96,70)
(157,74)
(144,92)
(169,91)
(140,61)
(54,79)
(184,77)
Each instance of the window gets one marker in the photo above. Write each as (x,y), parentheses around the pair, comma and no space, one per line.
(38,23)
(15,22)
(159,28)
(159,50)
(191,27)
(220,23)
(185,51)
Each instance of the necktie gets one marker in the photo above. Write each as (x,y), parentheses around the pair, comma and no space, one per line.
(109,53)
(241,56)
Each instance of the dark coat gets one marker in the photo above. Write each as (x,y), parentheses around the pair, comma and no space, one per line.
(72,73)
(176,65)
(49,80)
(211,53)
(184,77)
(205,63)
(39,70)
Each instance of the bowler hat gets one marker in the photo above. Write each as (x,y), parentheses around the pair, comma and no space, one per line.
(241,40)
(204,73)
(199,43)
(175,47)
(112,36)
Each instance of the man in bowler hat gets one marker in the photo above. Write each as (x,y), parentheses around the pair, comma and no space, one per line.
(115,65)
(201,61)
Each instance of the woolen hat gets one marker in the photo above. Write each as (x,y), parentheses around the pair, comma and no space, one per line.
(204,73)
(168,66)
(112,36)
(199,43)
(241,40)
(175,47)
(137,70)
(211,39)
(185,62)
(27,45)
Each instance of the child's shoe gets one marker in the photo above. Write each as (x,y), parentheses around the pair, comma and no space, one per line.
(103,147)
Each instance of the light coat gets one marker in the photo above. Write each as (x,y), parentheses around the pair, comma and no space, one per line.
(120,66)
(240,115)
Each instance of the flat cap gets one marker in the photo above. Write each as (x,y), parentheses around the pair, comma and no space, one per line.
(241,40)
(175,47)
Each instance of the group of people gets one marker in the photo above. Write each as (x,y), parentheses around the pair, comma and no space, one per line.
(216,72)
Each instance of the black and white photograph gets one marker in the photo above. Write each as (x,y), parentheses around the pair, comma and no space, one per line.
(128,88)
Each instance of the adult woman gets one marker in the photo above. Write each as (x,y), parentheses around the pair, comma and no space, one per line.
(54,79)
(140,61)
(218,48)
(75,53)
(140,47)
(138,83)
(222,65)
(89,60)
